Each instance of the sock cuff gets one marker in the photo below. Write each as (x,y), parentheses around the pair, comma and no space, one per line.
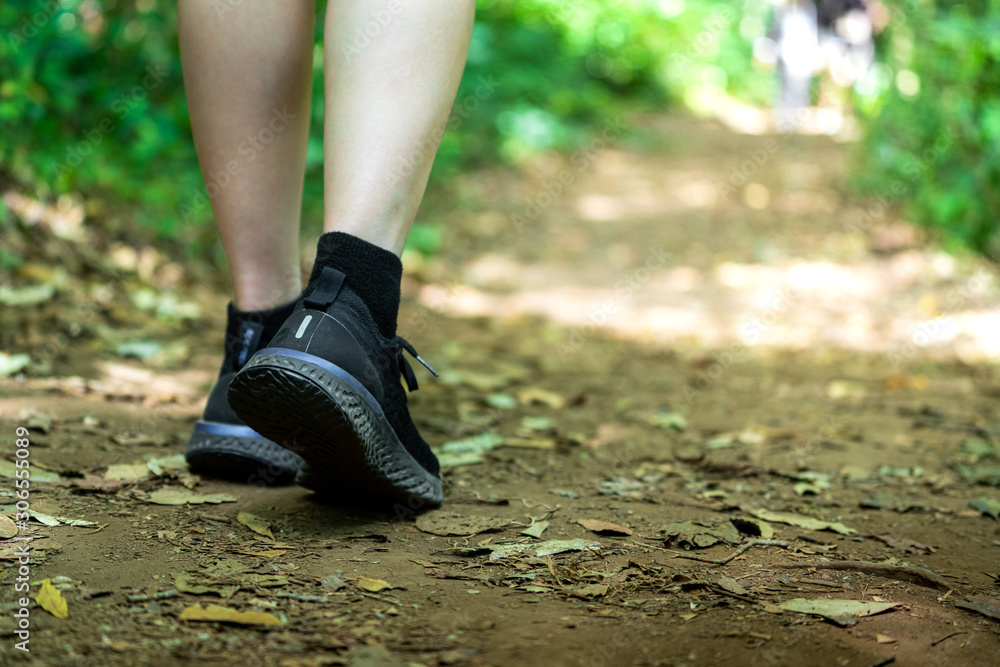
(249,330)
(373,273)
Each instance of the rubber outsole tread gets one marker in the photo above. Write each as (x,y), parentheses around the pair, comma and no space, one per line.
(254,461)
(348,450)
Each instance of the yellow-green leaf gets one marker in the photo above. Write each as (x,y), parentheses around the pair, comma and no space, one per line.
(7,527)
(51,600)
(372,585)
(256,524)
(216,613)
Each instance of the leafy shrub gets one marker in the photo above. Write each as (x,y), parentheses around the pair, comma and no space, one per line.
(92,101)
(932,138)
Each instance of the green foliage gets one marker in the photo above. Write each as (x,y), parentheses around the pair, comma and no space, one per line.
(92,102)
(563,69)
(92,98)
(933,136)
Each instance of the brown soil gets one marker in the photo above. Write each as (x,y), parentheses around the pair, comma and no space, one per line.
(672,410)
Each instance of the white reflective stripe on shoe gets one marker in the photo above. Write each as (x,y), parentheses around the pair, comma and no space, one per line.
(302,327)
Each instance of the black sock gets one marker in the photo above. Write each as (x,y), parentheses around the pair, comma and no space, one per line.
(249,330)
(373,273)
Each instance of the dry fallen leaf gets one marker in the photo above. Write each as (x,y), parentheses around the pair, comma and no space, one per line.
(120,646)
(800,521)
(93,483)
(7,527)
(731,585)
(536,529)
(214,612)
(451,524)
(256,524)
(174,496)
(51,600)
(9,469)
(692,534)
(270,553)
(587,590)
(194,585)
(981,604)
(530,443)
(754,527)
(608,434)
(333,582)
(841,612)
(127,471)
(547,548)
(604,527)
(372,585)
(530,395)
(884,639)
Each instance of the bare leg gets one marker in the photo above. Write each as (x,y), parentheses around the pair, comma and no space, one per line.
(388,94)
(247,74)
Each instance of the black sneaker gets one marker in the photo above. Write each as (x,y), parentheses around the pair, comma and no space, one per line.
(330,383)
(222,445)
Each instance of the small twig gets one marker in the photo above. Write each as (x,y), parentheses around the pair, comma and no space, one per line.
(916,575)
(651,546)
(884,661)
(547,508)
(99,528)
(723,591)
(303,598)
(143,597)
(820,582)
(596,551)
(948,636)
(739,552)
(381,599)
(552,570)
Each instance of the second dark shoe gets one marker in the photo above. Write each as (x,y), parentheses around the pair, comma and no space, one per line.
(328,386)
(222,445)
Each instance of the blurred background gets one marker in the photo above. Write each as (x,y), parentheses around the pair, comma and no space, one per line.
(897,103)
(677,258)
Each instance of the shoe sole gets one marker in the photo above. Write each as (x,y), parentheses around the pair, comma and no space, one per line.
(322,413)
(237,453)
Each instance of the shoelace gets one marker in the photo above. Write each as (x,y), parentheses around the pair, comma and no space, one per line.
(404,366)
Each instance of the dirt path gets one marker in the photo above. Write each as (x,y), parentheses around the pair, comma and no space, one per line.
(765,361)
